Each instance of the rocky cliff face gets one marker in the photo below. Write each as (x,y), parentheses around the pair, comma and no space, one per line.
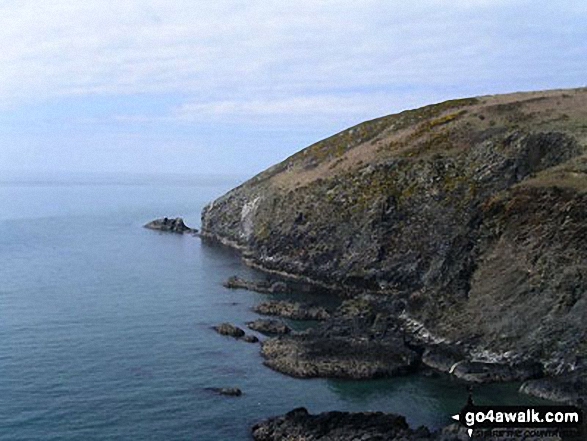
(469,213)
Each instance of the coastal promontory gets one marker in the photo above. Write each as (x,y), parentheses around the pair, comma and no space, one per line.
(462,223)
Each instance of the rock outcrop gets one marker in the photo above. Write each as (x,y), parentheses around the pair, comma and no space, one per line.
(354,346)
(299,425)
(229,330)
(468,215)
(292,310)
(267,326)
(176,225)
(235,332)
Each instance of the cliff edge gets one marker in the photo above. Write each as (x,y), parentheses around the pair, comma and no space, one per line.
(469,214)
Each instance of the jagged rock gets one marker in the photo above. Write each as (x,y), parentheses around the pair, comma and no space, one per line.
(267,326)
(263,287)
(292,310)
(228,391)
(229,330)
(171,225)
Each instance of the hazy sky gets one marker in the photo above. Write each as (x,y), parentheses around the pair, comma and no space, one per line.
(231,86)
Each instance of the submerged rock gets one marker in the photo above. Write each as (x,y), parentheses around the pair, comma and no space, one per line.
(176,225)
(292,310)
(228,391)
(267,326)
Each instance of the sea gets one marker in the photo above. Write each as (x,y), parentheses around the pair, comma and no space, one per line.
(106,327)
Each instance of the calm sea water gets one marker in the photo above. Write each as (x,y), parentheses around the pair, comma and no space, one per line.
(105,326)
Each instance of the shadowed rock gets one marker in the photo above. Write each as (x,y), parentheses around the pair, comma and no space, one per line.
(229,330)
(171,225)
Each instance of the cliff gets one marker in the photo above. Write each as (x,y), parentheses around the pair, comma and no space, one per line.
(468,214)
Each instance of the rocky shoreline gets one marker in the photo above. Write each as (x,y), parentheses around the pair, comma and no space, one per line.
(455,234)
(300,425)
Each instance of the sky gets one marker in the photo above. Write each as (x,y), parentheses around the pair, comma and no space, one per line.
(232,87)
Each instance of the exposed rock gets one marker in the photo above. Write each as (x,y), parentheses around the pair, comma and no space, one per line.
(449,359)
(478,372)
(228,391)
(292,310)
(229,330)
(299,425)
(171,225)
(368,344)
(468,215)
(570,388)
(264,287)
(267,326)
(318,354)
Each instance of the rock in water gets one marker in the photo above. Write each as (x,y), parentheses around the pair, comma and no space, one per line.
(269,326)
(176,225)
(229,330)
(228,391)
(250,339)
(292,310)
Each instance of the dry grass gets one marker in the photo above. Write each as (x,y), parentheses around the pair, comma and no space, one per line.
(445,128)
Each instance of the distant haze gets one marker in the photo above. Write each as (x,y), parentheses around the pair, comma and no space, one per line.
(231,87)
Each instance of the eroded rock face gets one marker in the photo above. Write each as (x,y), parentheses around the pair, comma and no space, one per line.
(472,212)
(292,310)
(176,225)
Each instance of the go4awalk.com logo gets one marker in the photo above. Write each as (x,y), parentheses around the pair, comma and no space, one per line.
(518,420)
